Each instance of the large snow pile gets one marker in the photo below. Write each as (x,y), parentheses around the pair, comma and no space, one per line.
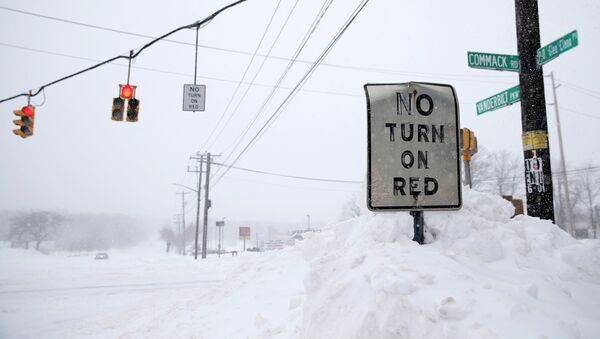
(483,275)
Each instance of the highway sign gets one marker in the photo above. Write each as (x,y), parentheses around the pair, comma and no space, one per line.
(502,99)
(194,97)
(557,47)
(413,147)
(501,62)
(244,233)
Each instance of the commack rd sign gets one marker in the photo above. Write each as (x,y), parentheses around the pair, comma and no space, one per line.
(413,147)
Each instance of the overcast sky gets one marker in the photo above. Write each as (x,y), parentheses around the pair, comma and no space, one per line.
(80,160)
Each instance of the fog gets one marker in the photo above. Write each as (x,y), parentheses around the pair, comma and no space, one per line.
(117,178)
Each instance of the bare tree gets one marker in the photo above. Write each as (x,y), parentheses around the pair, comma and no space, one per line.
(498,172)
(589,188)
(37,226)
(350,209)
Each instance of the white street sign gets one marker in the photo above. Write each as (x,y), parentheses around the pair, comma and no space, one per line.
(194,97)
(413,147)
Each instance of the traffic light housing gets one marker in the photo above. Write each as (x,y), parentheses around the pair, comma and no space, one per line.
(118,108)
(126,93)
(133,108)
(27,117)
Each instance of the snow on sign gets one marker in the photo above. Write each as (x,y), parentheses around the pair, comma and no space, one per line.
(413,147)
(194,97)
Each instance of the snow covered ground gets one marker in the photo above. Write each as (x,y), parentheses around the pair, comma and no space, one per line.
(483,275)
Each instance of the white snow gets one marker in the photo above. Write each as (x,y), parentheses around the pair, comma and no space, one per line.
(483,275)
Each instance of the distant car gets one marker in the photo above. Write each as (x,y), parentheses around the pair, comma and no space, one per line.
(101,256)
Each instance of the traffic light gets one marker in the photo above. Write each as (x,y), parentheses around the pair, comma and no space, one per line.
(27,117)
(118,108)
(126,92)
(465,140)
(133,108)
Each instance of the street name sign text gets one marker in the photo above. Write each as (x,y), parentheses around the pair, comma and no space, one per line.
(501,62)
(557,47)
(502,99)
(413,147)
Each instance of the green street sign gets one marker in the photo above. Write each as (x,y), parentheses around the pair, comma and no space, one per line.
(557,47)
(500,62)
(502,99)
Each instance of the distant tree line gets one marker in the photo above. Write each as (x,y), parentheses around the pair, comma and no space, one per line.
(70,232)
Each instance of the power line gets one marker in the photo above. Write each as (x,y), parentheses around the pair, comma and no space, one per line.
(299,49)
(570,84)
(156,70)
(235,110)
(580,113)
(132,55)
(292,94)
(290,176)
(303,187)
(243,76)
(228,50)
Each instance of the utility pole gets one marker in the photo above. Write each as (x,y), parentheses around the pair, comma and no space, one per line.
(182,237)
(565,181)
(536,151)
(308,216)
(177,222)
(206,203)
(199,171)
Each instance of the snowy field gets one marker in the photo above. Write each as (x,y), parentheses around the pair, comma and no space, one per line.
(483,275)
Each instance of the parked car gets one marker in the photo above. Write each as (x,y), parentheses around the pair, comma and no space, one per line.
(101,256)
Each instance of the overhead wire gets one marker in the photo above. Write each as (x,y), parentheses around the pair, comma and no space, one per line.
(228,50)
(239,84)
(292,94)
(299,49)
(580,113)
(198,24)
(288,175)
(256,73)
(162,71)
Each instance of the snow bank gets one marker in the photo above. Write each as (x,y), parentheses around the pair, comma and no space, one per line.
(482,275)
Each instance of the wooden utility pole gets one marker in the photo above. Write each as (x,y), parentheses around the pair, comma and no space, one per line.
(536,150)
(198,170)
(182,237)
(565,181)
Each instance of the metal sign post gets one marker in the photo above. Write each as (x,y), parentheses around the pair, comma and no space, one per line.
(413,149)
(220,225)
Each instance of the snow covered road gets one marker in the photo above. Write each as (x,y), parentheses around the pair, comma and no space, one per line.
(484,275)
(143,293)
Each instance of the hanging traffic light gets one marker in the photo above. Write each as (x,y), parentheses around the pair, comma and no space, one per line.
(27,116)
(126,92)
(133,108)
(118,108)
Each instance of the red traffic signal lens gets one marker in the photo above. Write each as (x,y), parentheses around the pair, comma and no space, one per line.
(126,92)
(27,111)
